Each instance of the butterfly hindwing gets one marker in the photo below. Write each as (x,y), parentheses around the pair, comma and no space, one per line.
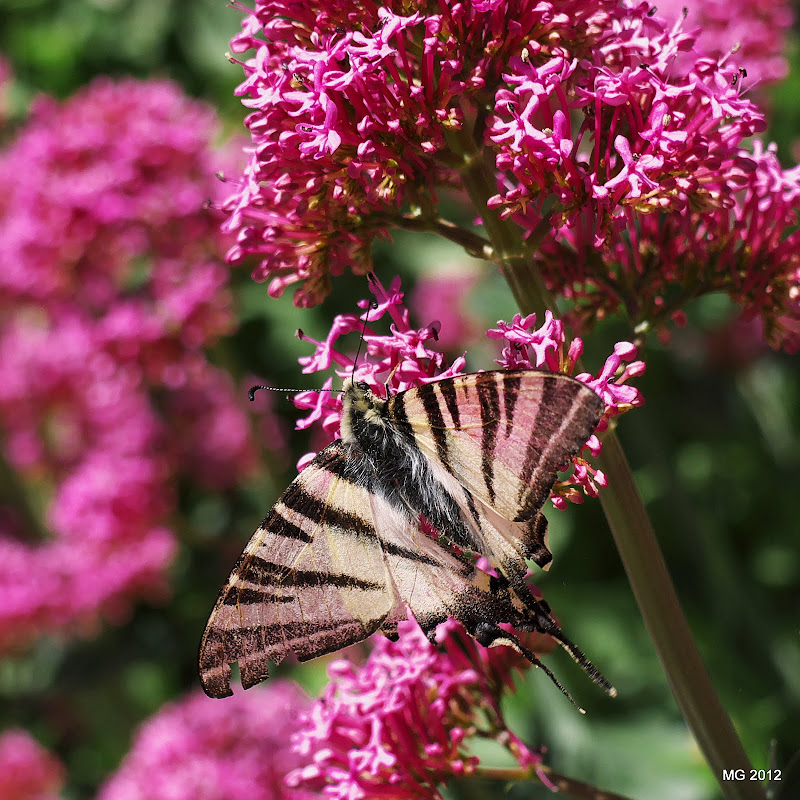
(502,434)
(505,544)
(433,582)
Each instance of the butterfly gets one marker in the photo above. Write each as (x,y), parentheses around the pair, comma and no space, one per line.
(348,550)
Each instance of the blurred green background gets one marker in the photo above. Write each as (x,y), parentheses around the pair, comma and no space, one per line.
(716,453)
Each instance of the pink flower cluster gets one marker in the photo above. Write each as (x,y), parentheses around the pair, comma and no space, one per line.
(444,296)
(644,139)
(110,289)
(606,124)
(350,118)
(749,249)
(648,199)
(406,359)
(651,143)
(27,770)
(396,727)
(203,748)
(755,32)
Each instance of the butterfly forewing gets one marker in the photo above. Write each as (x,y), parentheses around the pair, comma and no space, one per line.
(502,435)
(311,580)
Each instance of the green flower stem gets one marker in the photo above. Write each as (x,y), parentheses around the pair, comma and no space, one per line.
(471,242)
(567,787)
(666,623)
(627,517)
(19,495)
(510,252)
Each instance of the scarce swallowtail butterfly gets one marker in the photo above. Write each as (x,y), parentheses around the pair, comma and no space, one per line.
(343,553)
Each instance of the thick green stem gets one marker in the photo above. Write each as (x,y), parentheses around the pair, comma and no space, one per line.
(510,251)
(627,517)
(666,623)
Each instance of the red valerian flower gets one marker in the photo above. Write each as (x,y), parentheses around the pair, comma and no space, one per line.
(748,248)
(407,357)
(397,727)
(753,33)
(111,288)
(197,747)
(76,421)
(607,130)
(350,118)
(618,132)
(27,770)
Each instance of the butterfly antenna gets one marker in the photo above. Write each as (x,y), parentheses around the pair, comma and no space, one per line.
(536,661)
(251,392)
(372,306)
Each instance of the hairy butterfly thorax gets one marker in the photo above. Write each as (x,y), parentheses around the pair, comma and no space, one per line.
(400,472)
(360,410)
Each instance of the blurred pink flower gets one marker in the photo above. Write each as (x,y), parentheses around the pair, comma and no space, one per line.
(755,32)
(104,185)
(111,288)
(27,770)
(443,296)
(209,434)
(203,749)
(396,726)
(78,421)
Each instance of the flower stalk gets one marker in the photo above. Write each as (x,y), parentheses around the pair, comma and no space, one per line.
(624,509)
(565,786)
(509,250)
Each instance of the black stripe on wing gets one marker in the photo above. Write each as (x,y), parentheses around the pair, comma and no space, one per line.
(268,573)
(345,521)
(511,385)
(280,526)
(568,413)
(433,411)
(246,595)
(489,399)
(541,431)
